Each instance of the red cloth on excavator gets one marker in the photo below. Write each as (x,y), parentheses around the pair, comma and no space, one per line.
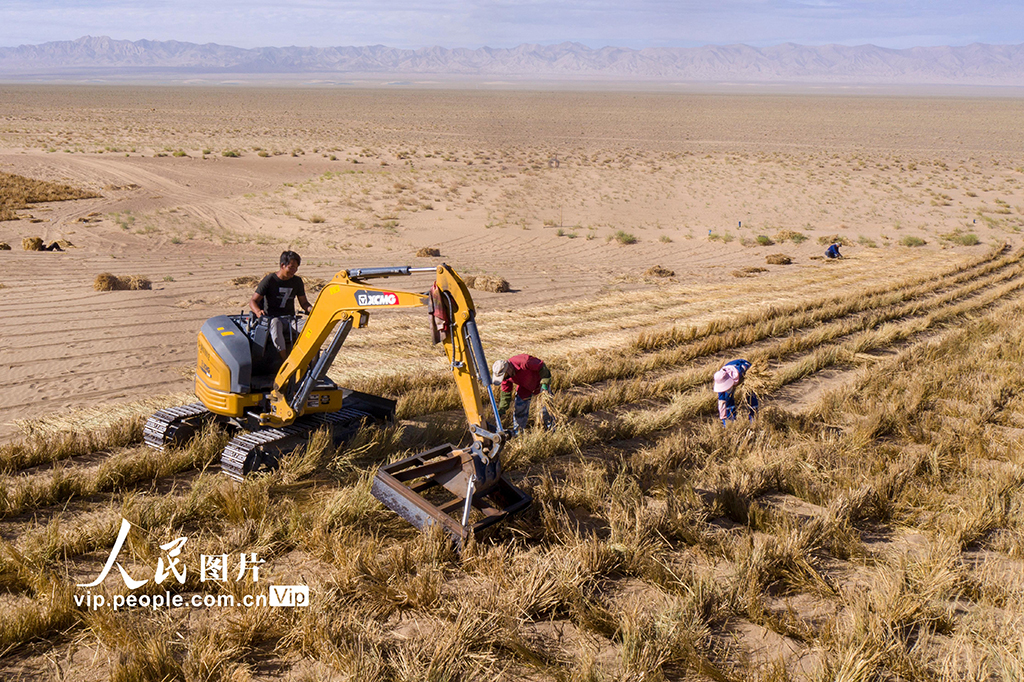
(526,377)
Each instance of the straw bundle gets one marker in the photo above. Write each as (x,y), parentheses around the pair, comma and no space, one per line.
(108,282)
(789,235)
(658,271)
(497,285)
(778,259)
(758,379)
(427,252)
(4,246)
(32,243)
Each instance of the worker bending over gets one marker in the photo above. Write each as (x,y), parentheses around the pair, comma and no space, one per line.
(726,380)
(528,376)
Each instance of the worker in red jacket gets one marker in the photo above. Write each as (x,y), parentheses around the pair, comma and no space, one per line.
(528,376)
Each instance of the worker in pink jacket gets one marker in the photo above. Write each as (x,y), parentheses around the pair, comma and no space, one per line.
(524,376)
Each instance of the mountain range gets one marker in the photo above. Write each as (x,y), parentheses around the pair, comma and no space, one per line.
(977,64)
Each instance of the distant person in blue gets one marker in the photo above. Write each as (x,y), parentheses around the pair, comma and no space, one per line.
(726,380)
(833,251)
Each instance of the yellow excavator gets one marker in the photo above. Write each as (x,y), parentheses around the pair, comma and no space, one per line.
(275,408)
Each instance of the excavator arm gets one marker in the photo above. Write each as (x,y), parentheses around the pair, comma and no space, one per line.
(347,301)
(461,489)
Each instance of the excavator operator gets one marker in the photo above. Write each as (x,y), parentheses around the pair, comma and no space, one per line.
(275,297)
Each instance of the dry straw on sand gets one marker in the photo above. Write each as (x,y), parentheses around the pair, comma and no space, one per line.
(32,243)
(247,281)
(108,282)
(16,192)
(834,239)
(750,271)
(658,271)
(427,252)
(778,259)
(497,285)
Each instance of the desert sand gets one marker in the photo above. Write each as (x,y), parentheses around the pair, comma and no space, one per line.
(530,186)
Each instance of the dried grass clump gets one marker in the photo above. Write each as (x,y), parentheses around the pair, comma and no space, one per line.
(4,246)
(32,243)
(108,282)
(17,192)
(428,252)
(658,271)
(247,281)
(749,271)
(496,285)
(778,259)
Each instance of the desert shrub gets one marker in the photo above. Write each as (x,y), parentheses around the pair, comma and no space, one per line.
(658,271)
(962,238)
(4,246)
(867,241)
(108,282)
(778,259)
(180,153)
(32,244)
(497,285)
(231,153)
(749,271)
(624,238)
(764,240)
(316,218)
(428,251)
(665,239)
(912,241)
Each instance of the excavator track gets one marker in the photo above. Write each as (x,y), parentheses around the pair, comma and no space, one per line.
(175,425)
(255,450)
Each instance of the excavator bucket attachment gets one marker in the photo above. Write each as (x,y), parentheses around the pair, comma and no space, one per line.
(433,488)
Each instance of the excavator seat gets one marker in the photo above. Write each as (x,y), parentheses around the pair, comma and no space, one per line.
(266,361)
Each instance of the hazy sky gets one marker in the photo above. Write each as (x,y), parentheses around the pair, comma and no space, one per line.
(507,23)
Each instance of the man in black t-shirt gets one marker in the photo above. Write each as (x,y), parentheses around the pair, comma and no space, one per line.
(275,296)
